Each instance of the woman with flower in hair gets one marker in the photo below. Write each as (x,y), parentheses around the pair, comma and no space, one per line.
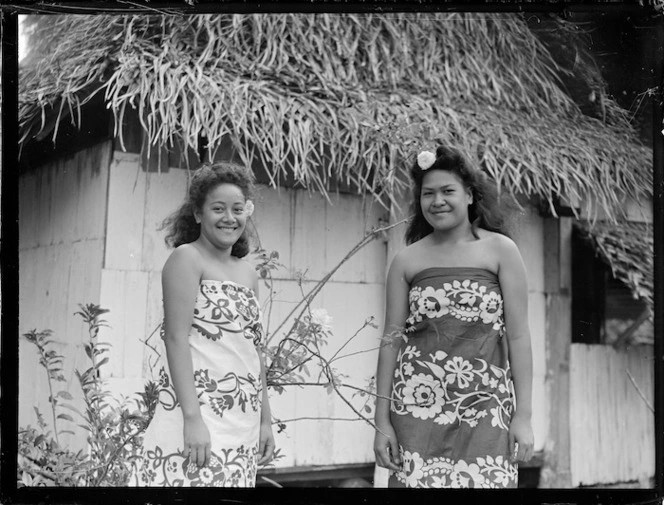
(212,425)
(458,346)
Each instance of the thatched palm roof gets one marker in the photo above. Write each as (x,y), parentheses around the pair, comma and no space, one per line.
(347,97)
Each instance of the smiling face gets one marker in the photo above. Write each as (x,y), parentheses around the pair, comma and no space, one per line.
(444,200)
(222,216)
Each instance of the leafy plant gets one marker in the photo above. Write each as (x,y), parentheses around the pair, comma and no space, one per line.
(114,426)
(294,349)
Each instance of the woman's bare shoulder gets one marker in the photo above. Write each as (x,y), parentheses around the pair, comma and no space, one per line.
(407,261)
(496,239)
(184,258)
(247,270)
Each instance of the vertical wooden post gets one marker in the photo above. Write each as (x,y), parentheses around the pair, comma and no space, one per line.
(658,225)
(556,470)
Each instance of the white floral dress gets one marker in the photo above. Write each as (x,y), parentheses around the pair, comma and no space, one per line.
(452,387)
(225,333)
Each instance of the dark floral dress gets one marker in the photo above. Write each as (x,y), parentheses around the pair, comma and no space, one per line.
(224,337)
(452,387)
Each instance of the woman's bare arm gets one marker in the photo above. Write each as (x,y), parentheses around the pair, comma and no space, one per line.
(514,287)
(180,282)
(386,446)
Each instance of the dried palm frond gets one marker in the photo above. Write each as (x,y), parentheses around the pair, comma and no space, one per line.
(344,97)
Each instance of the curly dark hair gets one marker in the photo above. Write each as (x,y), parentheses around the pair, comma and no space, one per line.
(484,212)
(181,226)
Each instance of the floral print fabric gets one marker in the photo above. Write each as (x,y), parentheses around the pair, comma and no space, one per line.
(225,333)
(452,387)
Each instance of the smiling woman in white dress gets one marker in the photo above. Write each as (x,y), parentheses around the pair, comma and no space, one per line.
(212,425)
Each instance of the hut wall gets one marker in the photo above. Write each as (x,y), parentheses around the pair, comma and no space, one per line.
(528,233)
(612,431)
(62,216)
(311,236)
(89,228)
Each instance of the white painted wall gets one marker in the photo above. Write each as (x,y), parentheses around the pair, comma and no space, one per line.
(92,235)
(62,214)
(611,427)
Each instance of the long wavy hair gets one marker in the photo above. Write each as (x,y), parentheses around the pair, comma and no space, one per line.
(182,227)
(486,211)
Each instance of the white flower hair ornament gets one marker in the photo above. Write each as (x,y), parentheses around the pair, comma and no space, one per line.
(425,159)
(249,208)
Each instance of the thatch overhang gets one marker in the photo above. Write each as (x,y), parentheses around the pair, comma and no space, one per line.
(627,247)
(345,97)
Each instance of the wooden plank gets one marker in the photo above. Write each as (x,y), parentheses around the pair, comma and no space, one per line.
(528,235)
(313,439)
(124,293)
(395,237)
(126,208)
(309,236)
(153,347)
(565,270)
(605,406)
(353,440)
(92,169)
(272,220)
(316,473)
(347,220)
(45,196)
(63,200)
(164,193)
(29,187)
(84,282)
(556,468)
(551,256)
(43,306)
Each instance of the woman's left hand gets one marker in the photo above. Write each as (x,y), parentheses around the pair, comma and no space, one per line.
(521,433)
(266,444)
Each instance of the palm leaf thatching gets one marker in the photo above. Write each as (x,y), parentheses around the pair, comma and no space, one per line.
(628,250)
(342,97)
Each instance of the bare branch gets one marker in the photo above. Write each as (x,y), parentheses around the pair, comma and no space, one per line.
(638,390)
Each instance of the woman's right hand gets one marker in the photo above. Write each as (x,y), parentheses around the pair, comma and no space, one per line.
(386,447)
(197,440)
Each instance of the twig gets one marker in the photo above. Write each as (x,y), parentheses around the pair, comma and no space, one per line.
(349,386)
(115,454)
(330,376)
(638,390)
(626,335)
(315,418)
(357,352)
(368,322)
(297,342)
(314,291)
